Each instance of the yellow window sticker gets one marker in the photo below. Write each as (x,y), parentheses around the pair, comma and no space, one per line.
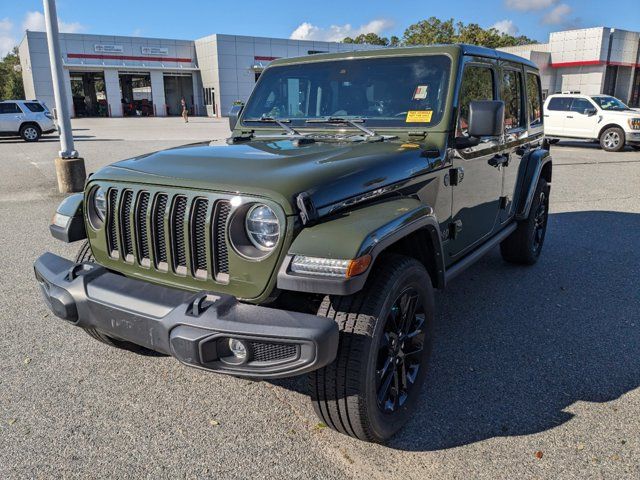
(419,116)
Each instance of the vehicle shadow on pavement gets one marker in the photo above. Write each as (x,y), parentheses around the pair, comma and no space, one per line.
(516,346)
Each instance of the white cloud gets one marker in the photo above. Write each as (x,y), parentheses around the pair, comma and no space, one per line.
(558,15)
(336,33)
(137,32)
(34,21)
(7,41)
(506,26)
(529,5)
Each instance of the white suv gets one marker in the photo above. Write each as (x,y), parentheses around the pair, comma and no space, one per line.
(593,117)
(27,118)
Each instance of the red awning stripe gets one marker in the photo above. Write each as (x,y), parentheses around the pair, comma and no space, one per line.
(587,63)
(97,56)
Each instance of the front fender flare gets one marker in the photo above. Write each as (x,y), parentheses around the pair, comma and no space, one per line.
(367,230)
(68,225)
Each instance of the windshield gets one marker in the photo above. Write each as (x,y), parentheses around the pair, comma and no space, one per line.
(609,103)
(394,91)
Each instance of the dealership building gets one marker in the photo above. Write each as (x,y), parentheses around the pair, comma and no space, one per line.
(114,76)
(589,61)
(133,76)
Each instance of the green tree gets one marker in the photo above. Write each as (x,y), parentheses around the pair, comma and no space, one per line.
(430,31)
(11,76)
(369,38)
(433,30)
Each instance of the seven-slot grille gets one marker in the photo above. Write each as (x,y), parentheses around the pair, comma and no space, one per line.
(169,232)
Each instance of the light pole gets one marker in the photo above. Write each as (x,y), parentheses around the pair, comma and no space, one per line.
(69,167)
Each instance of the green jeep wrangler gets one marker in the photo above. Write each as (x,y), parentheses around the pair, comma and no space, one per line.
(312,240)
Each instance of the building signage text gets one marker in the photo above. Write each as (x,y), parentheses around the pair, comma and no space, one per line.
(106,48)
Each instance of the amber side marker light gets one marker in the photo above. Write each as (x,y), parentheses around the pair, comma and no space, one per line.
(358,266)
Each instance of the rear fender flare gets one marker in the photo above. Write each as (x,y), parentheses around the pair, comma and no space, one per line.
(537,161)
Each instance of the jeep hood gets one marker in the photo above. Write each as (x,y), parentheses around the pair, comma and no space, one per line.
(280,170)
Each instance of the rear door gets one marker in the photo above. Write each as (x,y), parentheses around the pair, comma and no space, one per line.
(10,117)
(578,121)
(516,133)
(476,196)
(555,115)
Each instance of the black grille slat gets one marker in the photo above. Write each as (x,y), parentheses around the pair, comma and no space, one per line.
(171,232)
(111,222)
(272,352)
(159,238)
(141,227)
(199,237)
(179,252)
(221,257)
(125,225)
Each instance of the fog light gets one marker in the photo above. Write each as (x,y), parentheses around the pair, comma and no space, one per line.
(238,348)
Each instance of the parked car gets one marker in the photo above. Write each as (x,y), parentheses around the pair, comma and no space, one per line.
(352,186)
(592,117)
(28,119)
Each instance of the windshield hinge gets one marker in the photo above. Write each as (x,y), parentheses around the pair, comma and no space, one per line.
(308,212)
(243,136)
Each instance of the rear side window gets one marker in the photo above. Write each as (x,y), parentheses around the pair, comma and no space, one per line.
(34,107)
(512,97)
(580,105)
(534,99)
(477,84)
(560,103)
(9,107)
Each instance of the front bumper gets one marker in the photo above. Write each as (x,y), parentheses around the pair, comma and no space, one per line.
(194,328)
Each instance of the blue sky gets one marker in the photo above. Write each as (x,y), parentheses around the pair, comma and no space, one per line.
(190,19)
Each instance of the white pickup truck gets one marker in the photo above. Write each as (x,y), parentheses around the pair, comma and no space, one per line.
(592,117)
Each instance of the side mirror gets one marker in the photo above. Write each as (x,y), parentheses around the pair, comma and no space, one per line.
(234,114)
(486,118)
(590,111)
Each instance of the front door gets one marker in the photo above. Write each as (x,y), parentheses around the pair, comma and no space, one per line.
(579,122)
(476,197)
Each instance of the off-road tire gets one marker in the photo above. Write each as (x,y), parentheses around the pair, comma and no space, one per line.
(612,139)
(524,245)
(85,255)
(30,132)
(345,393)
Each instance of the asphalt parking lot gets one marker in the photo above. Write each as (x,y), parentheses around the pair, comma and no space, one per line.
(535,372)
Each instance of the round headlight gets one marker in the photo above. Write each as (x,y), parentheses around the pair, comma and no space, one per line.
(100,203)
(263,228)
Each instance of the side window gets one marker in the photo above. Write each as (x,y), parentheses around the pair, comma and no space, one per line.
(560,103)
(512,97)
(477,84)
(9,107)
(579,105)
(34,107)
(534,99)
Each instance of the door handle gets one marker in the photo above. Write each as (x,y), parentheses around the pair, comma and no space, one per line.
(569,116)
(499,160)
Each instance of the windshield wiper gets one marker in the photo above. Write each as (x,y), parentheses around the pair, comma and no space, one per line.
(281,122)
(353,122)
